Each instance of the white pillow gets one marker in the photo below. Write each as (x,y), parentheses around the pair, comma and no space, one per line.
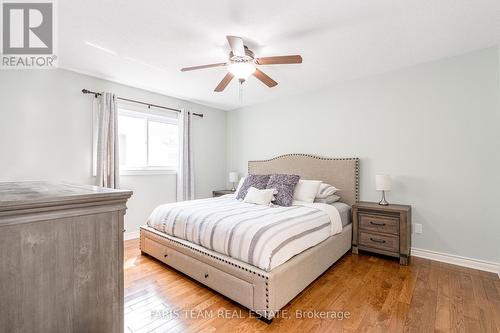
(326,190)
(306,190)
(328,200)
(242,180)
(260,197)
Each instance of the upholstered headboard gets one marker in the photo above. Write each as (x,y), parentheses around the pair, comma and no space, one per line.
(343,173)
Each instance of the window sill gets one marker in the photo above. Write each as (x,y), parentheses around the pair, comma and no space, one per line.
(147,172)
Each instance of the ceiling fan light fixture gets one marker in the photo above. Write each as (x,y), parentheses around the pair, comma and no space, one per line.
(242,70)
(242,64)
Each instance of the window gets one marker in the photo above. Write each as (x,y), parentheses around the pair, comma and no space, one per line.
(147,142)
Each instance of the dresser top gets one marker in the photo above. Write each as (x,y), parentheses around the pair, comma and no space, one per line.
(38,194)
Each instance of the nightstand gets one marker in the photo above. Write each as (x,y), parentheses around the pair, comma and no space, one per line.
(218,193)
(382,229)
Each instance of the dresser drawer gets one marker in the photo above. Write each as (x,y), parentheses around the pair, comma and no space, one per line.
(377,241)
(384,224)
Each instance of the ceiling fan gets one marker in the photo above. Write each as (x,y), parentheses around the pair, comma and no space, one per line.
(242,63)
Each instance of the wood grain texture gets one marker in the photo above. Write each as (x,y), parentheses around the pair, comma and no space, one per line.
(264,78)
(379,241)
(224,82)
(16,197)
(382,229)
(379,294)
(60,259)
(277,60)
(378,223)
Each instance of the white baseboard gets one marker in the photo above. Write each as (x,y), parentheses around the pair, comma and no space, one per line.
(131,235)
(481,265)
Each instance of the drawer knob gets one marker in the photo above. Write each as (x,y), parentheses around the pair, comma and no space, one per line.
(378,224)
(377,240)
(206,275)
(165,255)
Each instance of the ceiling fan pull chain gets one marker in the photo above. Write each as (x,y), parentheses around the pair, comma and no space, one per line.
(241,91)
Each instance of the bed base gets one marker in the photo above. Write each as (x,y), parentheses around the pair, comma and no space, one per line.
(264,293)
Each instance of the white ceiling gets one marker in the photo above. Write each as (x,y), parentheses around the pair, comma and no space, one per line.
(147,42)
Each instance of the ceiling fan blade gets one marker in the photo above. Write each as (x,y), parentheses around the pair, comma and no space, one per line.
(185,69)
(265,78)
(225,81)
(290,59)
(237,46)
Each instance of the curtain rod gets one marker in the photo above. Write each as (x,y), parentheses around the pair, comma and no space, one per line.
(149,105)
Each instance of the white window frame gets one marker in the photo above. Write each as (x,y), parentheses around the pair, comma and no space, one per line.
(134,111)
(148,116)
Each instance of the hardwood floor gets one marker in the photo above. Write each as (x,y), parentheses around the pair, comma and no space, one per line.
(378,294)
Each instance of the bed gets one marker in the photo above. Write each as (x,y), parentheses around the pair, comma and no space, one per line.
(261,269)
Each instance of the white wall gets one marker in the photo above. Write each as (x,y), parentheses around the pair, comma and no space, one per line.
(46,134)
(434,127)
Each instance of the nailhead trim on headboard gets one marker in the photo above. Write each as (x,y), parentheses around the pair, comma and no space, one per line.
(357,179)
(319,158)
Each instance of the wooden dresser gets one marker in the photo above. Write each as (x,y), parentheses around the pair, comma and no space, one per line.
(61,257)
(382,229)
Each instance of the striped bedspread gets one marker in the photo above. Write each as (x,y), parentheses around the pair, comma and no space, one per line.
(259,235)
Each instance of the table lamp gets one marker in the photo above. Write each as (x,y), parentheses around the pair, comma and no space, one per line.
(383,183)
(233,178)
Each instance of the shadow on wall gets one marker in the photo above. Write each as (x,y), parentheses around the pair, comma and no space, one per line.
(149,192)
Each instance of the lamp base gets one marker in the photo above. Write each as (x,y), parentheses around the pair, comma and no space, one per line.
(383,202)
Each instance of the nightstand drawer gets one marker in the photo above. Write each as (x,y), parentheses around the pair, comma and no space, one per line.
(383,242)
(377,223)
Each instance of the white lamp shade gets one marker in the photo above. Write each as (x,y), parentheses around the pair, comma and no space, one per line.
(383,183)
(233,177)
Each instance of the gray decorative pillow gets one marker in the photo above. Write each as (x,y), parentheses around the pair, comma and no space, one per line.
(257,181)
(285,185)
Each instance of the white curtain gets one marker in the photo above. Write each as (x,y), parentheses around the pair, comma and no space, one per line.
(107,171)
(185,172)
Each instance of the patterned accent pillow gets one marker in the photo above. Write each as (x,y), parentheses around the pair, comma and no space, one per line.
(257,181)
(285,185)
